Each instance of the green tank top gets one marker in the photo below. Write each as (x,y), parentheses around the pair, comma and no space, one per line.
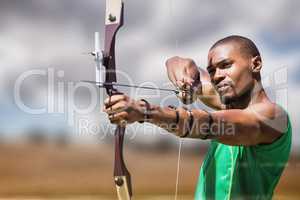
(240,172)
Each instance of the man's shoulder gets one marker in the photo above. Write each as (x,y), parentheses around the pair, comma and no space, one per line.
(267,109)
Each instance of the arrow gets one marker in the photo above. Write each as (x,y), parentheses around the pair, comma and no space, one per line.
(103,84)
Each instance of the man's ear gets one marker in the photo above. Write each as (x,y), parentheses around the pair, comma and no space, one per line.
(256,64)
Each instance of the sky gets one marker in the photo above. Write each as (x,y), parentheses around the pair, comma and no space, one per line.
(52,35)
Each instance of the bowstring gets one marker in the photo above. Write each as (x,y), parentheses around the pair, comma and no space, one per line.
(178,167)
(180,139)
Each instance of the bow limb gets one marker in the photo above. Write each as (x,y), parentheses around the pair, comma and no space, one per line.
(121,174)
(113,21)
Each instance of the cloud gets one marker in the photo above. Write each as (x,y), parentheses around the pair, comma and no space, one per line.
(38,34)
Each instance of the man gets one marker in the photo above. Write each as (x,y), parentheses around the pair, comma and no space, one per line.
(247,156)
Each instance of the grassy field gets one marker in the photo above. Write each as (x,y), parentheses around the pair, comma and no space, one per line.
(85,172)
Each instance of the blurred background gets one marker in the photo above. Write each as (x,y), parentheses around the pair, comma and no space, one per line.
(54,140)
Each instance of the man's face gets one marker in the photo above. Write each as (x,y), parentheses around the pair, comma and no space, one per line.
(230,71)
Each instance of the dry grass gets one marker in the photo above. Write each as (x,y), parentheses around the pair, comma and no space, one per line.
(85,172)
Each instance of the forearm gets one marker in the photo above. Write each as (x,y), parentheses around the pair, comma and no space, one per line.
(167,118)
(178,121)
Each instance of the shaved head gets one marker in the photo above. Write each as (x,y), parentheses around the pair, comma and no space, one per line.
(245,45)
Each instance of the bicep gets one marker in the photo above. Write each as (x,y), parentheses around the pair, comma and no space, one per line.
(236,127)
(259,124)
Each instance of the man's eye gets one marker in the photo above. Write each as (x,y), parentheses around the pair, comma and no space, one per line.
(227,66)
(211,70)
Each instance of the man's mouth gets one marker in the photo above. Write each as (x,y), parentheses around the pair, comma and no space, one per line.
(222,87)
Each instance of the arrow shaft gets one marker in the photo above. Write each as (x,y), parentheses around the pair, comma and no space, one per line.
(103,84)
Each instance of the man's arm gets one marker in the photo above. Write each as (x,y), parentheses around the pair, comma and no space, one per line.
(259,124)
(184,71)
(208,95)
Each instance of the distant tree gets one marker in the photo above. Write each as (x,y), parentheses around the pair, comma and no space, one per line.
(62,139)
(2,138)
(37,136)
